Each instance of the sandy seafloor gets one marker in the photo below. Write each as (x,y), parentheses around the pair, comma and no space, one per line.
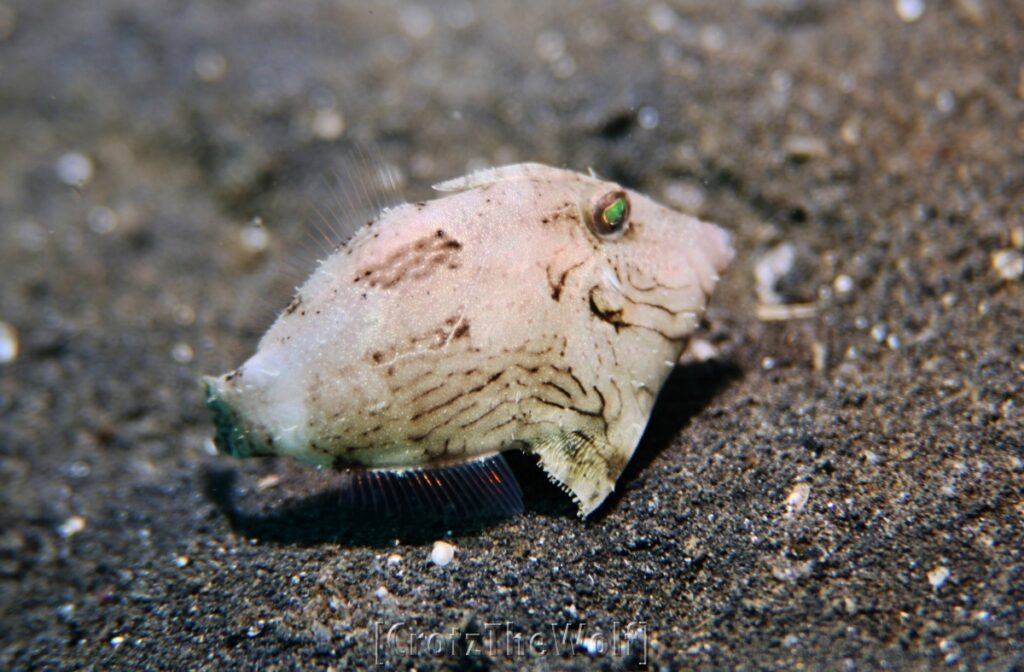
(842,490)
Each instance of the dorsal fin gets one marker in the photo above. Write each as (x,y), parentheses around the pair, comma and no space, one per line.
(487,176)
(483,487)
(584,464)
(356,190)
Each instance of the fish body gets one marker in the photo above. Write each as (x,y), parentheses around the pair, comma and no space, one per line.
(529,307)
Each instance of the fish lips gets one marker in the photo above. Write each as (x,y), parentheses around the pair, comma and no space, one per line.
(229,437)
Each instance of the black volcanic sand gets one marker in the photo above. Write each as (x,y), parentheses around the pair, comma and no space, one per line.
(880,153)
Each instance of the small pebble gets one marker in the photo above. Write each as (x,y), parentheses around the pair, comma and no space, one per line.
(102,220)
(442,553)
(843,284)
(702,350)
(909,10)
(417,21)
(182,353)
(394,559)
(321,633)
(685,196)
(768,363)
(210,66)
(711,38)
(550,46)
(71,527)
(945,101)
(564,68)
(850,133)
(117,641)
(328,124)
(77,469)
(770,268)
(1017,233)
(254,236)
(382,592)
(879,332)
(782,81)
(648,118)
(797,499)
(1009,264)
(662,18)
(819,356)
(938,577)
(74,169)
(184,314)
(806,148)
(267,482)
(8,343)
(181,561)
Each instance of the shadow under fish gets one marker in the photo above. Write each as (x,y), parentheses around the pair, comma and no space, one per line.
(373,509)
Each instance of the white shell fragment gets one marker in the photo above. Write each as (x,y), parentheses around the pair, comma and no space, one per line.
(938,576)
(530,307)
(1008,264)
(909,10)
(8,343)
(797,499)
(442,553)
(74,169)
(71,526)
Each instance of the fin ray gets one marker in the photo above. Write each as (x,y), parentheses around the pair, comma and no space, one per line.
(354,191)
(482,487)
(583,464)
(487,176)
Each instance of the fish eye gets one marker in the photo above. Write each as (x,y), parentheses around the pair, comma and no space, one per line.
(609,215)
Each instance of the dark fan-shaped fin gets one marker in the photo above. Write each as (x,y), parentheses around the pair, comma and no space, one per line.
(484,487)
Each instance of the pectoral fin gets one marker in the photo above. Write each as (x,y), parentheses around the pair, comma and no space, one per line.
(486,176)
(585,464)
(482,487)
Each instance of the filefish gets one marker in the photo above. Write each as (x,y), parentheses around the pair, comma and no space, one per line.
(528,307)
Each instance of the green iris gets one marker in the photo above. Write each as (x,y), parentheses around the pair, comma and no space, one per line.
(614,213)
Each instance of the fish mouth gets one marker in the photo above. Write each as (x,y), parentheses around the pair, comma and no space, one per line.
(229,437)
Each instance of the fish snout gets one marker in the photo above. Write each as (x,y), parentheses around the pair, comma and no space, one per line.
(230,437)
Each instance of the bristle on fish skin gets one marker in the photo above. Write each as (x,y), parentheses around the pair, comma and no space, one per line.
(529,308)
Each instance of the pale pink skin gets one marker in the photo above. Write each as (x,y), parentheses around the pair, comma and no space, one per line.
(488,319)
